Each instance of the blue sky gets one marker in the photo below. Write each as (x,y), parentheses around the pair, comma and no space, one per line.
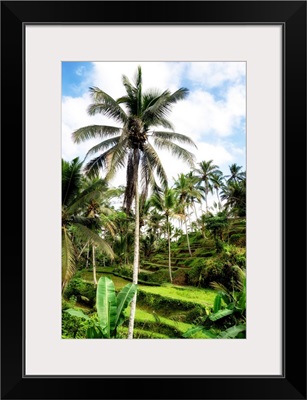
(213,115)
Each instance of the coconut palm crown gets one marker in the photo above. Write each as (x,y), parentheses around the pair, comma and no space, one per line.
(134,144)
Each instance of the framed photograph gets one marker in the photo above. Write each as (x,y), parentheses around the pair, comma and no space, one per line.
(225,319)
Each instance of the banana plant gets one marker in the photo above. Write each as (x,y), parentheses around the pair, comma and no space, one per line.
(110,309)
(235,305)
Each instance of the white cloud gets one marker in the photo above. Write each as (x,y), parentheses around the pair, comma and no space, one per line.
(213,74)
(80,71)
(201,114)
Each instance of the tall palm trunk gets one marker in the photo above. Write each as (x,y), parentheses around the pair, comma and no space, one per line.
(218,198)
(206,199)
(195,210)
(136,254)
(169,251)
(87,256)
(94,266)
(187,233)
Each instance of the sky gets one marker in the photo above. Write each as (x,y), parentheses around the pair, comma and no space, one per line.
(213,115)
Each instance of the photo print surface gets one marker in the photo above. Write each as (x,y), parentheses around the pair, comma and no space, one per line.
(154,200)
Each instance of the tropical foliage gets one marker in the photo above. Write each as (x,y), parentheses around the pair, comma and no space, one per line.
(110,309)
(177,245)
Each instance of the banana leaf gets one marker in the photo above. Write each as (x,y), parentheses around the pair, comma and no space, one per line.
(124,298)
(217,303)
(77,313)
(242,300)
(220,314)
(233,331)
(190,332)
(106,305)
(92,333)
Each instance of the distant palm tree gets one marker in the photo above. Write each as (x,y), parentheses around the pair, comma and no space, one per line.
(165,203)
(130,145)
(205,172)
(234,194)
(235,173)
(186,193)
(196,192)
(217,181)
(98,208)
(76,221)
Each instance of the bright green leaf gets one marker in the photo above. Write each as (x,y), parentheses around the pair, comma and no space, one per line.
(77,313)
(220,314)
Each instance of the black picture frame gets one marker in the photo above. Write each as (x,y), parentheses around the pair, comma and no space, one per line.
(292,16)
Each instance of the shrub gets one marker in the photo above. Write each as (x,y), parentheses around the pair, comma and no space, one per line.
(165,305)
(83,291)
(124,271)
(220,269)
(180,277)
(234,255)
(73,327)
(238,239)
(194,315)
(159,277)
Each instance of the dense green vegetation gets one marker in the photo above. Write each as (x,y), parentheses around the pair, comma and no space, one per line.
(165,263)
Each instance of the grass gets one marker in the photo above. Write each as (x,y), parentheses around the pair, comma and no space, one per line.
(142,334)
(204,297)
(160,327)
(143,316)
(118,281)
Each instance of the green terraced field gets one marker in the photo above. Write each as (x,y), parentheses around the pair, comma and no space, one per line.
(167,319)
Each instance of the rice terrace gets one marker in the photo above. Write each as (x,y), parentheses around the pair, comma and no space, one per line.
(153,200)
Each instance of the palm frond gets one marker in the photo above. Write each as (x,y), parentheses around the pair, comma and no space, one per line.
(155,163)
(116,159)
(174,136)
(103,145)
(147,176)
(157,202)
(179,94)
(106,105)
(93,167)
(87,234)
(93,132)
(68,258)
(138,77)
(107,223)
(130,89)
(160,121)
(89,221)
(92,192)
(160,106)
(175,150)
(71,179)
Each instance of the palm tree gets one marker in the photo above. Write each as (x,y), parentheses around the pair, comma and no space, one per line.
(165,203)
(234,194)
(98,208)
(235,173)
(132,144)
(75,223)
(204,173)
(186,193)
(217,180)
